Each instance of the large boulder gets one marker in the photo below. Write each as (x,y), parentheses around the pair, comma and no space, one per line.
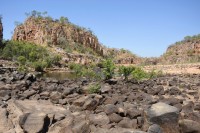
(99,119)
(128,123)
(189,126)
(115,118)
(33,116)
(34,122)
(63,126)
(164,115)
(155,129)
(110,108)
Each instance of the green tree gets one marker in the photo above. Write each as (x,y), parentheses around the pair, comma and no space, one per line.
(64,20)
(126,71)
(108,68)
(187,38)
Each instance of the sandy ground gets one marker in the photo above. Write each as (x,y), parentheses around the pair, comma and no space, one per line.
(193,68)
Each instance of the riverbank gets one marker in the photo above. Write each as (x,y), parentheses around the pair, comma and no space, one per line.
(188,68)
(57,106)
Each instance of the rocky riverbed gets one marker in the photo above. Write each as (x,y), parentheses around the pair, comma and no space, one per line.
(168,104)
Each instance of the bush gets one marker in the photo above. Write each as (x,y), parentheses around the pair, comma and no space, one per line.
(94,88)
(39,66)
(22,68)
(85,71)
(139,74)
(108,68)
(77,68)
(28,53)
(154,74)
(126,71)
(89,73)
(21,60)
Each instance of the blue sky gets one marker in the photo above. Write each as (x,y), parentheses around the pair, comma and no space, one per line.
(145,27)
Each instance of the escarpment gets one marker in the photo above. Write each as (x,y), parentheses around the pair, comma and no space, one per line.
(184,51)
(46,31)
(73,40)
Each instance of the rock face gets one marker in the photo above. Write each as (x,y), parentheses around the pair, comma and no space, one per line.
(184,51)
(1,31)
(49,32)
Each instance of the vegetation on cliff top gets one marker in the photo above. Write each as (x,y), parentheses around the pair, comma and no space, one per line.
(187,39)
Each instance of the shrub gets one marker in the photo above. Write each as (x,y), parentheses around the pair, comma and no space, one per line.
(21,60)
(89,73)
(77,68)
(108,68)
(94,88)
(64,20)
(33,56)
(28,53)
(139,74)
(39,66)
(126,71)
(22,68)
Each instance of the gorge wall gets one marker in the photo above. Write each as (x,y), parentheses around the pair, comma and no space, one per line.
(48,32)
(45,31)
(182,52)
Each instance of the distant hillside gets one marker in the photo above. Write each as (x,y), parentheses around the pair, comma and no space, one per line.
(185,51)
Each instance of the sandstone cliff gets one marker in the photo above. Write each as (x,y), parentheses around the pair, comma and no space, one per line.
(184,51)
(69,37)
(46,31)
(1,31)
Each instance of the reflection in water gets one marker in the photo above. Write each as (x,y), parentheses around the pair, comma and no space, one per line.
(57,75)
